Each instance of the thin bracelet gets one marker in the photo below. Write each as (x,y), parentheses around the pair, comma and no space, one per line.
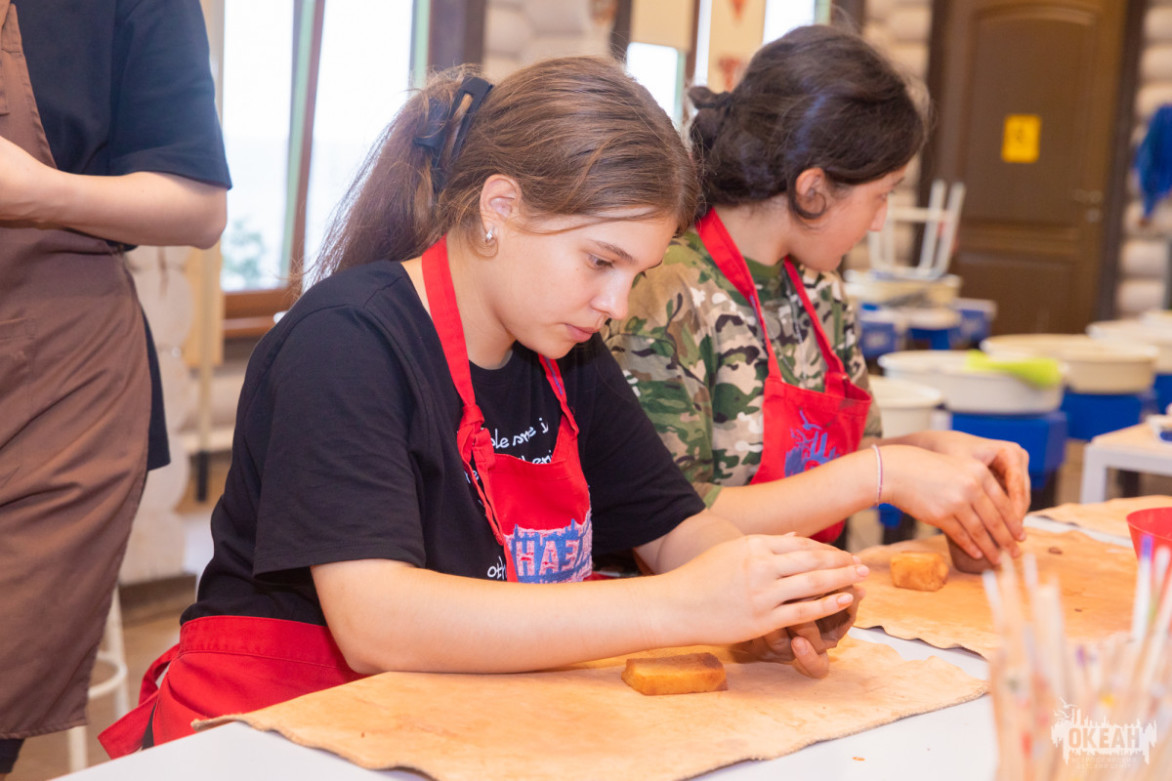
(878,475)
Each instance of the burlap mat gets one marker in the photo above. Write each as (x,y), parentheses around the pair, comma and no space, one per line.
(585,723)
(1097,581)
(1108,517)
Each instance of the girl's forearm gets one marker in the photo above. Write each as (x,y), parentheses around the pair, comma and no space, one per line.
(805,503)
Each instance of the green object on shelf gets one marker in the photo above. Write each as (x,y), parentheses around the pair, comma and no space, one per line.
(1038,371)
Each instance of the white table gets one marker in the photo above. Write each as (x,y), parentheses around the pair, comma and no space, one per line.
(957,743)
(1135,449)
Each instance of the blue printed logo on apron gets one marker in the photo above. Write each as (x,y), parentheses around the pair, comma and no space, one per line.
(558,556)
(809,448)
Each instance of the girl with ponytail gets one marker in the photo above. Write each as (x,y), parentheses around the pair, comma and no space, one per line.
(436,426)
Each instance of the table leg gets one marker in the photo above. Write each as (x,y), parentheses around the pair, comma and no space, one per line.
(1094,475)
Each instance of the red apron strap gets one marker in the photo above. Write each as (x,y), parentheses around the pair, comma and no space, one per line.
(553,374)
(473,441)
(150,680)
(731,262)
(835,370)
(445,314)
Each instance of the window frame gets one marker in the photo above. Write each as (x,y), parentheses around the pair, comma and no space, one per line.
(251,313)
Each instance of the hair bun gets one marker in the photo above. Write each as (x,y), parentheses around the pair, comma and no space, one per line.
(704,98)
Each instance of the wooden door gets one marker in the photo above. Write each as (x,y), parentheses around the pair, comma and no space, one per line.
(1026,94)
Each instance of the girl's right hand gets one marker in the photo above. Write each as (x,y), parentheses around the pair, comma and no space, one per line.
(750,586)
(960,496)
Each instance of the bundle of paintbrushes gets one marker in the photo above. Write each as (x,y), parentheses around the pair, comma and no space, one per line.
(1067,711)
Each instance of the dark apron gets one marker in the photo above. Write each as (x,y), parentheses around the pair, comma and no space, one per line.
(802,428)
(75,401)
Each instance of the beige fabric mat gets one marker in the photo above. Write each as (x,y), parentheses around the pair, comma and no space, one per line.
(1109,517)
(1097,580)
(585,723)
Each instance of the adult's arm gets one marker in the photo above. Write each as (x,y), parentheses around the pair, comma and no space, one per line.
(143,207)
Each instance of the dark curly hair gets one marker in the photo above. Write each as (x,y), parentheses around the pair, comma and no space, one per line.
(818,97)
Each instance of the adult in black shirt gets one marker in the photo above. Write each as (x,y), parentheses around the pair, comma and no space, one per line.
(108,138)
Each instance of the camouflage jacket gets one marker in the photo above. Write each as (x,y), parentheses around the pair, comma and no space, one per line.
(690,348)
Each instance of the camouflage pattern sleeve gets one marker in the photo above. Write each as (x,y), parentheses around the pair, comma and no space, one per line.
(665,356)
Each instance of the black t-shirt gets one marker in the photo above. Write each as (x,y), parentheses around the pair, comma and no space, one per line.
(345,449)
(124,86)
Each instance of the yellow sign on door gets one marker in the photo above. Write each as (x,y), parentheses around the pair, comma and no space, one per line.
(1020,142)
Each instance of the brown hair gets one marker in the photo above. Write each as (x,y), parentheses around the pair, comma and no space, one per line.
(818,97)
(577,134)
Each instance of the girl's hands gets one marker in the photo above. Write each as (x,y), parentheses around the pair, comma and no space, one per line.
(1008,461)
(805,645)
(977,504)
(753,586)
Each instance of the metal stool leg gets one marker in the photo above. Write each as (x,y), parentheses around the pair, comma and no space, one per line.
(113,654)
(78,755)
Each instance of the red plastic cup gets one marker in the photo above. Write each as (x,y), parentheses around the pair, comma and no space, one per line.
(1156,522)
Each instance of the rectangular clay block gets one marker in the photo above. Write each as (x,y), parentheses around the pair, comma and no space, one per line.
(682,674)
(922,571)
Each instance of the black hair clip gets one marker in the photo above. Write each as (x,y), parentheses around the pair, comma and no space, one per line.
(433,141)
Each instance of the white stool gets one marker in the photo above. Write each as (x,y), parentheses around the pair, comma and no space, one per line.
(114,655)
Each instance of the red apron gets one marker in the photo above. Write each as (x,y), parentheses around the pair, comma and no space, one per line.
(802,428)
(227,664)
(539,513)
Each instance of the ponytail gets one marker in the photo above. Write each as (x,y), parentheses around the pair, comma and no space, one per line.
(389,210)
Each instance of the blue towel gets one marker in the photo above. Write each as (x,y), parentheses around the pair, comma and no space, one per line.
(1153,160)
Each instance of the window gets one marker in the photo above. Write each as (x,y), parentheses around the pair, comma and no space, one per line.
(781,16)
(362,83)
(307,86)
(660,35)
(661,70)
(258,37)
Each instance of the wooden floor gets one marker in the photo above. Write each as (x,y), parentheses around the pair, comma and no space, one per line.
(152,612)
